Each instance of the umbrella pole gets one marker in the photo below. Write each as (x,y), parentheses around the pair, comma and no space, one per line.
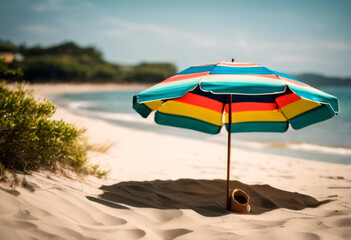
(228,154)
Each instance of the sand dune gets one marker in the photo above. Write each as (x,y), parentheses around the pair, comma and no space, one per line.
(158,191)
(181,209)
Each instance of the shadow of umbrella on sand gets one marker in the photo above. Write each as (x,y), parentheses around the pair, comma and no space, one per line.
(203,196)
(251,98)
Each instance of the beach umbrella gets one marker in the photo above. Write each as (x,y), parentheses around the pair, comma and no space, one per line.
(245,97)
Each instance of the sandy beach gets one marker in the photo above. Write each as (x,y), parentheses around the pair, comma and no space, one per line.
(167,187)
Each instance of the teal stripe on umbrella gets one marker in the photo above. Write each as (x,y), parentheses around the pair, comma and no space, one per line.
(168,90)
(307,92)
(197,69)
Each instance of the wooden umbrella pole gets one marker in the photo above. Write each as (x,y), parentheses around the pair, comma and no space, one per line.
(228,155)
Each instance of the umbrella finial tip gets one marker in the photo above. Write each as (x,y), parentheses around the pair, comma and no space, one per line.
(233,60)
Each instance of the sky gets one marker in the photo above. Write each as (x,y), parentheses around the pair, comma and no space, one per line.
(288,36)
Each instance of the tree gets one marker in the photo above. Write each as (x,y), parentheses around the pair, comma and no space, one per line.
(9,71)
(8,47)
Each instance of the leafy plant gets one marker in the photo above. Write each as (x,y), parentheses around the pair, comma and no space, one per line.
(102,148)
(30,140)
(97,172)
(102,173)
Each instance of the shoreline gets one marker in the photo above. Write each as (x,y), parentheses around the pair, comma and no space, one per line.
(170,187)
(290,147)
(51,89)
(43,90)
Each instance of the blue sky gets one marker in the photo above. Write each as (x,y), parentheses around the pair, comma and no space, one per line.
(288,36)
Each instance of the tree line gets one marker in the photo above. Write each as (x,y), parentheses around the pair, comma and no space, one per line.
(69,62)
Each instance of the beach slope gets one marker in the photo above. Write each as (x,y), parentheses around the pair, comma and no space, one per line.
(168,187)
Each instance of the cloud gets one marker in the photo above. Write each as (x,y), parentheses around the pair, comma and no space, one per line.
(334,45)
(40,30)
(118,28)
(48,5)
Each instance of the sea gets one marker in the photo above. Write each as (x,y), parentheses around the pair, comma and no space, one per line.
(328,141)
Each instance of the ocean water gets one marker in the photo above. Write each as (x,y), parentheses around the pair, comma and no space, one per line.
(328,141)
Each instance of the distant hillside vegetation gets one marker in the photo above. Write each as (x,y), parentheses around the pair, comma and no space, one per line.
(69,62)
(316,80)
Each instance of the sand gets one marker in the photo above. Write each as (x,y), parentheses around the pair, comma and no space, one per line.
(168,187)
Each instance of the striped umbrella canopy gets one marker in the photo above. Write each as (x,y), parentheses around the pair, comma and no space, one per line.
(245,97)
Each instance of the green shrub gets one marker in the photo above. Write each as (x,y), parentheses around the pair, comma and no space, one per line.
(95,170)
(30,140)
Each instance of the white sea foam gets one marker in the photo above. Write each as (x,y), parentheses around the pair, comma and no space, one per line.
(298,146)
(80,107)
(345,151)
(80,104)
(126,117)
